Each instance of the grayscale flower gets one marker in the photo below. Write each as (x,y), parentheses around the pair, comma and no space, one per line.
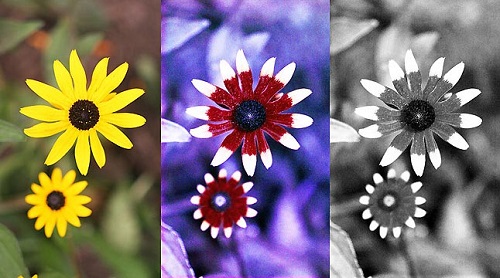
(416,114)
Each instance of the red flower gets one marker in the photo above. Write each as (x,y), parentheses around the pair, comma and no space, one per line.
(222,203)
(250,112)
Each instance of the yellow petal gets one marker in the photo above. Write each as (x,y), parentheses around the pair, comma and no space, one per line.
(68,179)
(50,94)
(46,129)
(40,221)
(83,211)
(35,211)
(45,181)
(36,188)
(64,80)
(61,226)
(82,152)
(56,177)
(97,149)
(70,216)
(33,199)
(110,83)
(126,120)
(62,145)
(100,72)
(78,73)
(44,113)
(50,225)
(81,199)
(113,134)
(119,101)
(76,189)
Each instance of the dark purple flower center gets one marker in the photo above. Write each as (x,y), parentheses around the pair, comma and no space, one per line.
(83,114)
(220,201)
(418,115)
(388,201)
(56,200)
(250,115)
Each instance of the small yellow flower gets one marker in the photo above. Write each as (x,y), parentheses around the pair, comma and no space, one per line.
(57,201)
(34,276)
(81,112)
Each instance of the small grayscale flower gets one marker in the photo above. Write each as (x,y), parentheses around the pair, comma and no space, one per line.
(416,114)
(392,203)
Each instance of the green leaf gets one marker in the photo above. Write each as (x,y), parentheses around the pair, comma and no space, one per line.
(10,132)
(11,260)
(14,32)
(87,43)
(343,262)
(120,223)
(344,32)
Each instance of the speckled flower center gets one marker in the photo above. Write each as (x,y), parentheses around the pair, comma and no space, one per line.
(220,201)
(56,200)
(83,114)
(418,115)
(249,115)
(389,201)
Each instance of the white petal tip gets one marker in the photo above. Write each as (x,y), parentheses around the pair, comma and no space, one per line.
(390,156)
(301,121)
(201,132)
(221,156)
(410,222)
(364,200)
(410,62)
(251,200)
(251,212)
(267,158)
(268,67)
(226,70)
(195,200)
(396,232)
(249,163)
(373,87)
(199,112)
(241,62)
(366,214)
(405,176)
(415,187)
(370,131)
(383,232)
(420,213)
(367,112)
(419,200)
(228,232)
(418,163)
(377,178)
(369,188)
(247,186)
(241,222)
(289,141)
(285,74)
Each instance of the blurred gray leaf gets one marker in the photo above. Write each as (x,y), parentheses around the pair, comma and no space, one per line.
(343,262)
(344,32)
(176,31)
(10,132)
(13,32)
(172,132)
(174,261)
(341,132)
(11,260)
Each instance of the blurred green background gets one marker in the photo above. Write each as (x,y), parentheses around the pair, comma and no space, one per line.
(121,237)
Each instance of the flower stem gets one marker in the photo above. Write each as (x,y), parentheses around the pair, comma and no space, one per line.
(403,246)
(234,246)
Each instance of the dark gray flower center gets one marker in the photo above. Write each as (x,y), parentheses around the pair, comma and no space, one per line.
(418,115)
(56,200)
(83,114)
(220,201)
(249,115)
(388,201)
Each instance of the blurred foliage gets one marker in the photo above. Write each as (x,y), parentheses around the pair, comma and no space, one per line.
(460,235)
(121,237)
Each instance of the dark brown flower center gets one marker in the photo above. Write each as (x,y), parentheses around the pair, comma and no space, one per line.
(418,115)
(220,201)
(56,200)
(84,114)
(250,115)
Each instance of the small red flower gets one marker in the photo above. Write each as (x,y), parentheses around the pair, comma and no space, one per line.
(250,112)
(222,203)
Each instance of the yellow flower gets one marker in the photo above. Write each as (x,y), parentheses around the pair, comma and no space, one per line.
(34,276)
(81,112)
(57,201)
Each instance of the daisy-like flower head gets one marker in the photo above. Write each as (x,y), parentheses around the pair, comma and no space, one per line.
(250,112)
(57,202)
(221,203)
(417,113)
(34,276)
(392,203)
(81,112)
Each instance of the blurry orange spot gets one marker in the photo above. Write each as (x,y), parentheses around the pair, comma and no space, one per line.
(103,49)
(39,40)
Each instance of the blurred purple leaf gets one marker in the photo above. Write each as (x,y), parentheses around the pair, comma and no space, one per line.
(174,261)
(346,31)
(177,31)
(172,132)
(343,262)
(341,132)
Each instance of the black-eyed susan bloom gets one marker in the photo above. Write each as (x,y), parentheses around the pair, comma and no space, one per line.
(249,112)
(81,111)
(392,203)
(222,203)
(57,201)
(416,114)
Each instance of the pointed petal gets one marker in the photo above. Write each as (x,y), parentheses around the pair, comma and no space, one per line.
(251,200)
(383,232)
(377,178)
(195,200)
(417,154)
(113,134)
(462,120)
(419,213)
(97,149)
(449,134)
(78,74)
(119,101)
(214,231)
(82,152)
(381,129)
(204,225)
(373,225)
(228,231)
(456,101)
(247,186)
(364,200)
(197,214)
(228,146)
(62,145)
(419,200)
(46,129)
(405,176)
(44,113)
(391,174)
(398,79)
(369,188)
(413,75)
(366,214)
(396,231)
(110,83)
(435,74)
(241,222)
(410,222)
(398,145)
(416,186)
(432,149)
(251,212)
(50,94)
(200,188)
